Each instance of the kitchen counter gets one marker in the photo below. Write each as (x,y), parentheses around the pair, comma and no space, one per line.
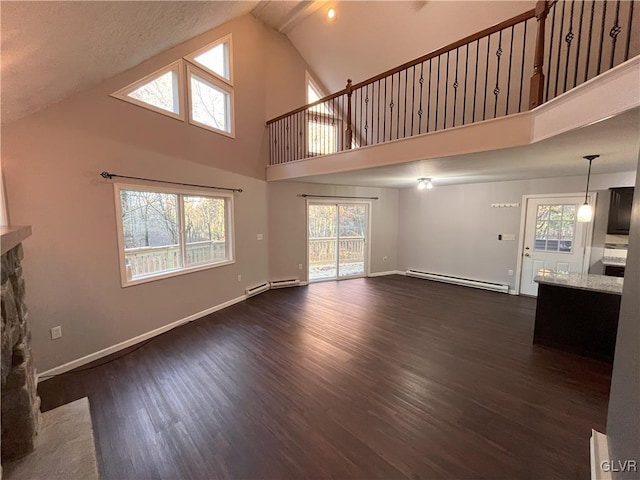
(578,313)
(583,281)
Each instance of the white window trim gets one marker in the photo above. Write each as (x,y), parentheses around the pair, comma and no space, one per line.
(199,72)
(230,243)
(191,58)
(315,85)
(123,93)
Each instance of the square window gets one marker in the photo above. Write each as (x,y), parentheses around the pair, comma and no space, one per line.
(210,103)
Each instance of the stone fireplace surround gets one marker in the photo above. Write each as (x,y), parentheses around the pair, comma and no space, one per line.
(20,402)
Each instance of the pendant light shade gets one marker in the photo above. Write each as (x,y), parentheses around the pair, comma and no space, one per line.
(585,212)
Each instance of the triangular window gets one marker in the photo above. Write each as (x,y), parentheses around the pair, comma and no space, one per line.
(215,59)
(314,93)
(160,91)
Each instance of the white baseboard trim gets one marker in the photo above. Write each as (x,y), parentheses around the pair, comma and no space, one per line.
(65,367)
(599,455)
(390,272)
(513,292)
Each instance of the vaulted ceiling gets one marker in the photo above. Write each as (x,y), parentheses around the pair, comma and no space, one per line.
(366,38)
(51,50)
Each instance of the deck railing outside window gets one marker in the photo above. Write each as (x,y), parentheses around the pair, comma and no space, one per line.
(508,68)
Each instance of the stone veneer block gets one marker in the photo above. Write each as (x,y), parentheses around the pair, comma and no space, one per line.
(20,402)
(65,447)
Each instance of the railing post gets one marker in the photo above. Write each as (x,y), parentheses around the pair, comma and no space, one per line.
(349,131)
(537,80)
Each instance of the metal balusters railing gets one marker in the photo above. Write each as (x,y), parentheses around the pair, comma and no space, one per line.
(505,69)
(587,38)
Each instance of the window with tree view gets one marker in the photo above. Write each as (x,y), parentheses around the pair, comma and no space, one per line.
(167,232)
(555,228)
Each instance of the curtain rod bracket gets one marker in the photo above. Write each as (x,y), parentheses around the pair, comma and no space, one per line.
(110,176)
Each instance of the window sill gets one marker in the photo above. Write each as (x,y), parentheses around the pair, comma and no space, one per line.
(173,273)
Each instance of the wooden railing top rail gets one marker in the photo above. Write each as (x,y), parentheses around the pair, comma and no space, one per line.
(433,54)
(452,46)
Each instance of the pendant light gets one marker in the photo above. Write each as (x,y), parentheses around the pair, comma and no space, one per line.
(585,212)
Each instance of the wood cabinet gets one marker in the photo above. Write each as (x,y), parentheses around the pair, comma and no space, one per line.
(613,271)
(577,321)
(620,211)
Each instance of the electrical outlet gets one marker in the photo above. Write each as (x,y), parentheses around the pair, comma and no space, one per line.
(239,278)
(260,236)
(510,273)
(56,332)
(299,266)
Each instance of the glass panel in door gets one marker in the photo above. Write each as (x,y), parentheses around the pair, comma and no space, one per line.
(323,242)
(352,220)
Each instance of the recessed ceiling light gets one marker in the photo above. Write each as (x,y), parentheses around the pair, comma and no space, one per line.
(331,13)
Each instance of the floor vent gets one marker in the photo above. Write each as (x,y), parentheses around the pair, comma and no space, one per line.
(495,287)
(250,292)
(285,283)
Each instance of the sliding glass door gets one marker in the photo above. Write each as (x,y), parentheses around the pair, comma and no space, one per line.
(338,246)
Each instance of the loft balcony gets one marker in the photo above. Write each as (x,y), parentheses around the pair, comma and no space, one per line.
(560,66)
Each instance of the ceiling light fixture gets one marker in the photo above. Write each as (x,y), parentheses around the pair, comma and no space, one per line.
(331,13)
(424,183)
(585,212)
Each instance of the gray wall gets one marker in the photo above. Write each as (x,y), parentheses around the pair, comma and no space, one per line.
(287,226)
(51,161)
(623,421)
(453,229)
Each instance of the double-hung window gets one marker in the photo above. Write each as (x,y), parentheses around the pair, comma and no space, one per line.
(166,232)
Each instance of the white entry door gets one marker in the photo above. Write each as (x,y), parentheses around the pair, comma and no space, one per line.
(553,239)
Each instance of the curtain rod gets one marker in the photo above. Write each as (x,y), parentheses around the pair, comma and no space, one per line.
(111,175)
(306,195)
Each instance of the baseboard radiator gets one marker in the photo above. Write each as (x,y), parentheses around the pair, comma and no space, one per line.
(250,292)
(467,282)
(285,283)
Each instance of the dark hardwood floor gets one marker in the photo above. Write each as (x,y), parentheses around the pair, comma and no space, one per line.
(390,377)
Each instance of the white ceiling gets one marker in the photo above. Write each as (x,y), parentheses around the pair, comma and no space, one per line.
(369,37)
(616,140)
(284,15)
(51,50)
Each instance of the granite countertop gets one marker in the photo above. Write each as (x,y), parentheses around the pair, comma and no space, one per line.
(583,281)
(614,261)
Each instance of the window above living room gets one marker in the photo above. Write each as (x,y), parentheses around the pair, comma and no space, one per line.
(197,88)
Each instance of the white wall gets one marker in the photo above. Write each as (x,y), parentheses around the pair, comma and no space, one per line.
(623,419)
(288,229)
(453,230)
